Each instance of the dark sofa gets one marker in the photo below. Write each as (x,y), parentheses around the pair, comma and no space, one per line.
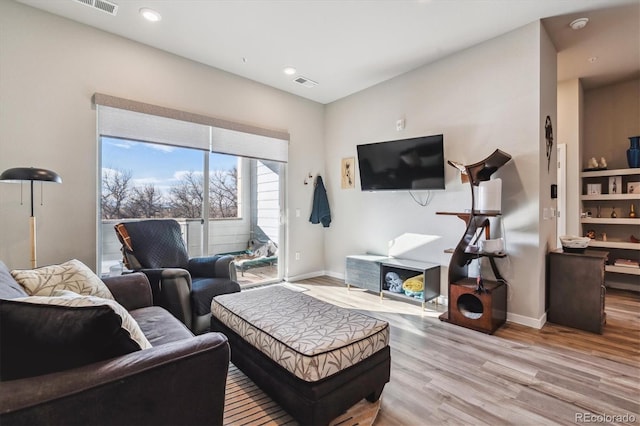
(179,381)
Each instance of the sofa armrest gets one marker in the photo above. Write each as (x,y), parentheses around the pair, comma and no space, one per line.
(210,267)
(178,383)
(131,290)
(172,290)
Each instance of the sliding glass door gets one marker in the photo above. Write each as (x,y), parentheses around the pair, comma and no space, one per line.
(225,204)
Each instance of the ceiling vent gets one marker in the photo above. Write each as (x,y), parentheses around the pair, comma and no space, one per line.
(306,82)
(103,5)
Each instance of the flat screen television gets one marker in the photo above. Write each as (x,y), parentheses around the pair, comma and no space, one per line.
(404,164)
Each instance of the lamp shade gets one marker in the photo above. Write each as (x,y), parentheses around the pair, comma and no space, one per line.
(17,174)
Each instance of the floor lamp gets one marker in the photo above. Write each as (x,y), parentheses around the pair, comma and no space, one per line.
(31,174)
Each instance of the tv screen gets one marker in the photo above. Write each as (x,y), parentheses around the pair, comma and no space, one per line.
(405,164)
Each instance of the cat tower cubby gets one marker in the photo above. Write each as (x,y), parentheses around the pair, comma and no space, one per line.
(475,302)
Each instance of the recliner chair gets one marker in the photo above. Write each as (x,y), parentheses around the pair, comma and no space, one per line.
(183,286)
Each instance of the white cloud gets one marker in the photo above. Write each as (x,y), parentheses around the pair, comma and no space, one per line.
(181,174)
(148,181)
(162,148)
(110,171)
(120,143)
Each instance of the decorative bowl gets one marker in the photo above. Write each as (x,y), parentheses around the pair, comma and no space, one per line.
(574,244)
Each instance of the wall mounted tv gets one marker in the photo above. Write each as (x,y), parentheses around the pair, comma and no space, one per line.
(404,164)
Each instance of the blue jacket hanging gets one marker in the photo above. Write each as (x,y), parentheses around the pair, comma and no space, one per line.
(320,212)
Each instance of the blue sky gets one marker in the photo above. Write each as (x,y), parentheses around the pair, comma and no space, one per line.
(161,165)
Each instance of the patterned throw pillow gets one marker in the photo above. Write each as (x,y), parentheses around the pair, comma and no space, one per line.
(42,335)
(72,275)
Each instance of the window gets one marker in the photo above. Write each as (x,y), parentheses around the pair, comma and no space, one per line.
(222,181)
(169,182)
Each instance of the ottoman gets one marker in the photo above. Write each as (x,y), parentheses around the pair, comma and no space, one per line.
(313,358)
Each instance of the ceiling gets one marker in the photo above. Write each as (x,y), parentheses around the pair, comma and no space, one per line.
(349,45)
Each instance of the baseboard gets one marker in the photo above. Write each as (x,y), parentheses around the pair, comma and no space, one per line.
(305,276)
(527,321)
(336,275)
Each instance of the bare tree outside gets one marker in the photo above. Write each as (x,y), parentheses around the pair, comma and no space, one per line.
(122,200)
(185,198)
(145,201)
(223,193)
(115,192)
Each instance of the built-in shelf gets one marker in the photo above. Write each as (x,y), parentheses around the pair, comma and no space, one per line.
(619,247)
(611,221)
(622,270)
(610,197)
(613,172)
(614,244)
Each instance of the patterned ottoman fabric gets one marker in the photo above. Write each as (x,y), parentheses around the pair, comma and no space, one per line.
(309,338)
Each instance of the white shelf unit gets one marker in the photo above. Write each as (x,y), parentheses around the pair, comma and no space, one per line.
(612,172)
(610,197)
(622,270)
(611,221)
(614,244)
(620,230)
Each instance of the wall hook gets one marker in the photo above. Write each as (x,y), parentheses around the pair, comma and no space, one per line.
(306,180)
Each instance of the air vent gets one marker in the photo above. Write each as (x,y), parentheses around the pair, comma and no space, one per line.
(305,81)
(103,5)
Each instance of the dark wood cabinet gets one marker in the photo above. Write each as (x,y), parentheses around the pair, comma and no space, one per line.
(576,289)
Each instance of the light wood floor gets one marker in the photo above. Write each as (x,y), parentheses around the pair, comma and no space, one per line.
(445,374)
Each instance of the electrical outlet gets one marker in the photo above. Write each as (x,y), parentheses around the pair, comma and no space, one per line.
(297,255)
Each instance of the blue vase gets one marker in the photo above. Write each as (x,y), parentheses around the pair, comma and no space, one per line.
(633,153)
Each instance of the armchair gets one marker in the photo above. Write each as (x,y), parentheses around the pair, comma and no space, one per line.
(183,286)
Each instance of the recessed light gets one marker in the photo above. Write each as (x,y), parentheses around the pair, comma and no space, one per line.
(578,24)
(150,14)
(289,70)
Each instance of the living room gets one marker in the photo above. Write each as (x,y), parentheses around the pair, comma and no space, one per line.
(494,95)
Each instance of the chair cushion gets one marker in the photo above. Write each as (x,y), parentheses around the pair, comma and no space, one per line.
(203,290)
(41,334)
(9,287)
(72,275)
(159,326)
(157,243)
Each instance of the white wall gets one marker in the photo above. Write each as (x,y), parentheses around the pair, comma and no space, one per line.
(611,115)
(486,97)
(548,169)
(570,110)
(49,69)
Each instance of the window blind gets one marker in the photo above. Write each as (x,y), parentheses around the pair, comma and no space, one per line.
(242,144)
(120,123)
(124,118)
